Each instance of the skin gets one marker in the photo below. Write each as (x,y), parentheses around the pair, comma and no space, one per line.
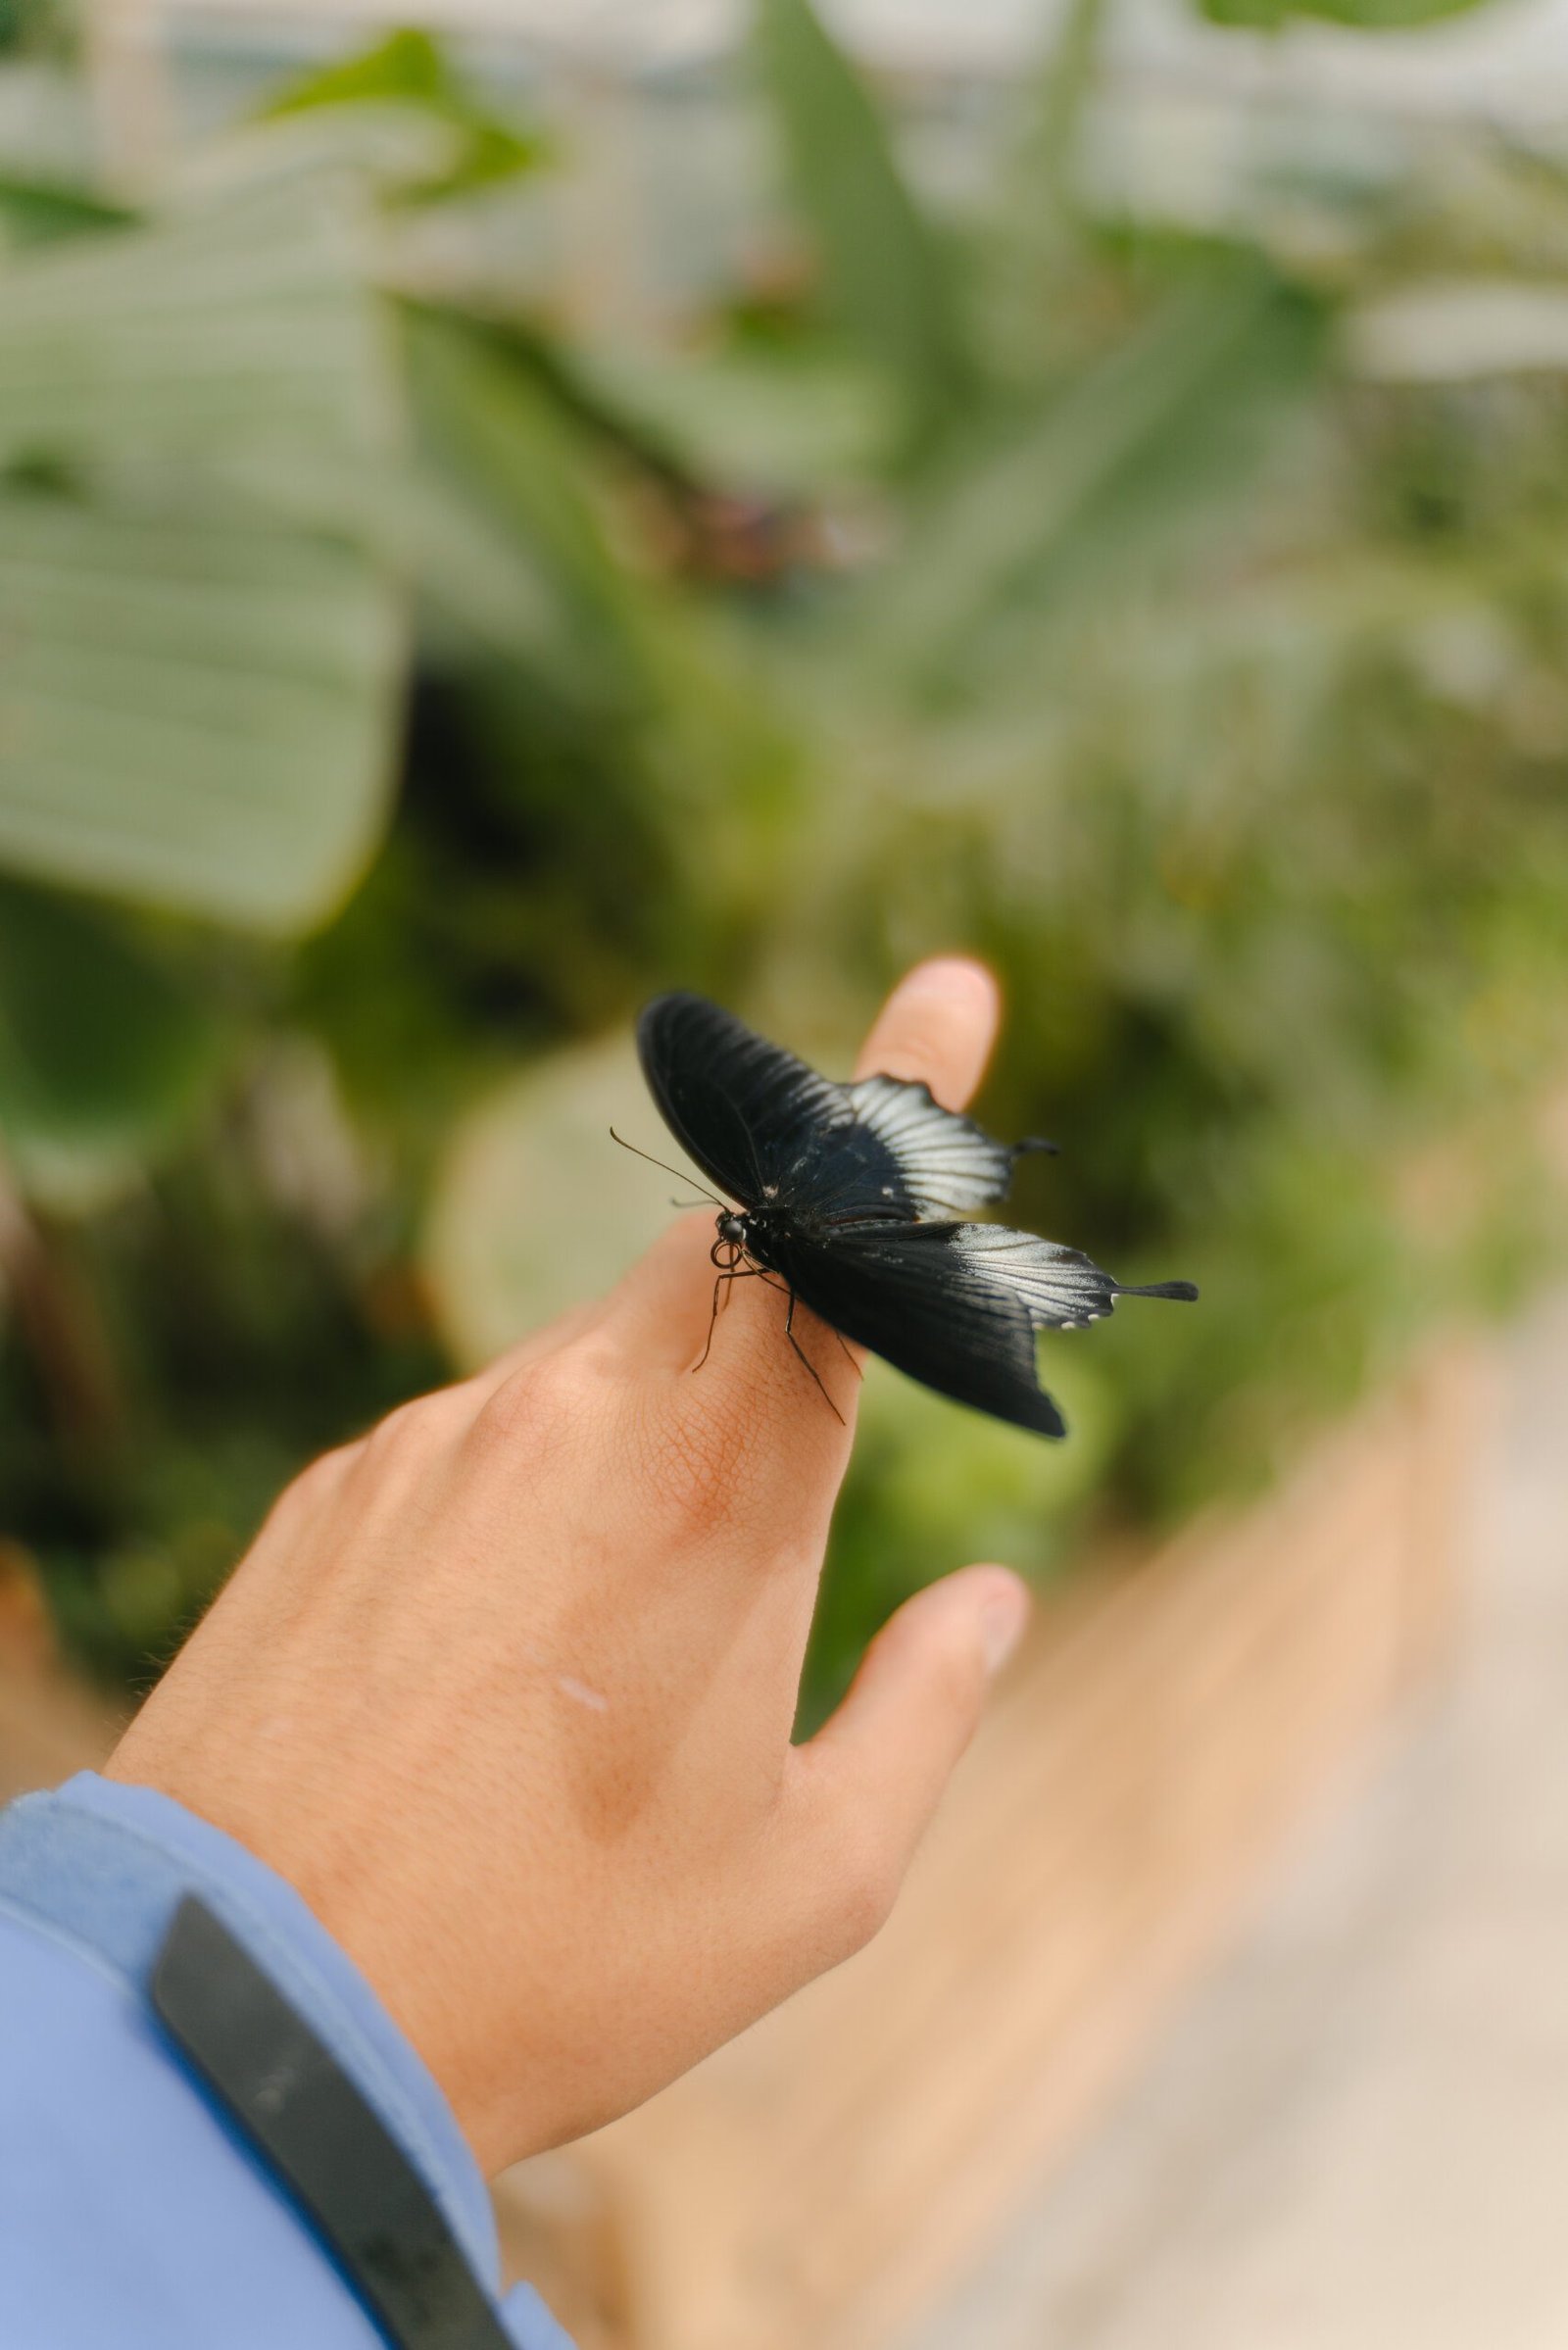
(505,1688)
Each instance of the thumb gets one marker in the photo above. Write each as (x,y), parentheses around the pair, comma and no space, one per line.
(873,1775)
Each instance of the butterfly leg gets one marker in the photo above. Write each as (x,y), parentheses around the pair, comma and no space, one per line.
(775,1283)
(733,1272)
(722,1283)
(788,1332)
(707,1349)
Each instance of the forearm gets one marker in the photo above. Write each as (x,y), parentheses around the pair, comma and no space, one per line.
(137,2206)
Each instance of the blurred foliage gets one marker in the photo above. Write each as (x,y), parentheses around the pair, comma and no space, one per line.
(409,69)
(1175,618)
(1376,16)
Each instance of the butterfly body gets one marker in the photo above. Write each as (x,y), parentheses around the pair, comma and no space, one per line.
(851,1196)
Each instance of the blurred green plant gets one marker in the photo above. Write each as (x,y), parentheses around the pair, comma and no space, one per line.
(1176,617)
(409,70)
(1373,16)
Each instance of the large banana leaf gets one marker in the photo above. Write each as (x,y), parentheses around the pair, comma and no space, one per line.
(197,686)
(886,274)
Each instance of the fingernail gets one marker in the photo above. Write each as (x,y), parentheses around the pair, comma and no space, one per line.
(1003,1618)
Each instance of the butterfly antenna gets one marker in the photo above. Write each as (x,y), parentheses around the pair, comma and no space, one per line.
(679,1172)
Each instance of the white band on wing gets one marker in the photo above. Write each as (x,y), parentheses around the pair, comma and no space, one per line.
(948,1163)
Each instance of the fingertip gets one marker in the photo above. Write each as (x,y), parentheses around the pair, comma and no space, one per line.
(964,991)
(983,1610)
(954,975)
(939,1025)
(1002,1608)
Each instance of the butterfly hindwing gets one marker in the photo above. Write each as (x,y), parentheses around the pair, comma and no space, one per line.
(910,1295)
(957,1305)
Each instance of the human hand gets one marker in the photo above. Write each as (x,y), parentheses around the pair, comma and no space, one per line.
(506,1688)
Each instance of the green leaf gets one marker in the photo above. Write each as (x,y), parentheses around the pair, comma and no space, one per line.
(1172,424)
(200,336)
(103,1057)
(500,514)
(35,212)
(409,68)
(751,421)
(198,685)
(1050,146)
(406,65)
(886,275)
(1371,15)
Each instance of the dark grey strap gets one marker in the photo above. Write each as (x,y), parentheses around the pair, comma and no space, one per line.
(341,2166)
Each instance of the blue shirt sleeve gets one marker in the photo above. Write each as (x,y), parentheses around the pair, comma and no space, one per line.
(132,2211)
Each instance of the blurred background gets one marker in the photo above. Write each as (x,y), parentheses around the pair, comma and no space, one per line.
(502,515)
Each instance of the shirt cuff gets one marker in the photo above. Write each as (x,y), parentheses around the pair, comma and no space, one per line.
(104,1865)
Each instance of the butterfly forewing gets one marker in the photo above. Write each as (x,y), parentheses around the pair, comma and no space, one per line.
(947,1165)
(744,1109)
(766,1127)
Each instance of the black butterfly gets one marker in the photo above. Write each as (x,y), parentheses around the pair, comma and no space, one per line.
(848,1197)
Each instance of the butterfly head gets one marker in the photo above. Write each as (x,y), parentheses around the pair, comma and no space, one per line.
(738,1236)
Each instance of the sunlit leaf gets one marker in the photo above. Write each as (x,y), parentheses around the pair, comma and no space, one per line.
(407,69)
(407,63)
(197,688)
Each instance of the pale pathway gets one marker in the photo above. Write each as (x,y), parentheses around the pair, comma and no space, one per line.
(1355,2137)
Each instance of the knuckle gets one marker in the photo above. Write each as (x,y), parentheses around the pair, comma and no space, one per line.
(865,1888)
(861,1886)
(313,1487)
(516,1413)
(392,1432)
(537,1407)
(404,1430)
